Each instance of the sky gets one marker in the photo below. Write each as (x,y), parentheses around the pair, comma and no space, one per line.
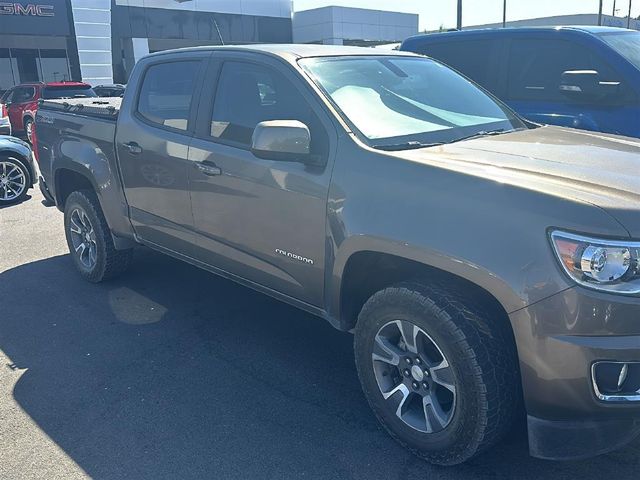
(436,13)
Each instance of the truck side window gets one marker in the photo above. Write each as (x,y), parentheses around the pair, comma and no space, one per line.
(248,94)
(536,66)
(471,58)
(166,93)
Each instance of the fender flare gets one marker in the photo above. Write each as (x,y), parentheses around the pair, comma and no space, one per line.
(478,275)
(100,180)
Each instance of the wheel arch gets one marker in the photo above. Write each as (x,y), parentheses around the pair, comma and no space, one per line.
(69,178)
(72,176)
(361,272)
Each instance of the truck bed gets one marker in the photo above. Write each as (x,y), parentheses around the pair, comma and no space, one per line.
(104,107)
(78,128)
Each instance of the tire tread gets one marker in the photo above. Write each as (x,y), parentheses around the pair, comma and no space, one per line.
(116,261)
(488,345)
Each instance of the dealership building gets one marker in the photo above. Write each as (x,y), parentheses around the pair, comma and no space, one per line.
(99,41)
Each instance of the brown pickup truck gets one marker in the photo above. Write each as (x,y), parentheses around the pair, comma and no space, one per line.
(489,267)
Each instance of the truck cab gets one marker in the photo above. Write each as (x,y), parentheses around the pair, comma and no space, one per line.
(580,77)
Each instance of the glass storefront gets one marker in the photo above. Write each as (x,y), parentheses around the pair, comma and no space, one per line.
(162,29)
(20,65)
(37,44)
(32,65)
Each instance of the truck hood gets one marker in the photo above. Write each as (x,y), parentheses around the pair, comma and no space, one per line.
(596,168)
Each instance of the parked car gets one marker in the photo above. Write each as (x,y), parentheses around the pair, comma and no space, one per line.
(18,170)
(21,101)
(478,258)
(582,77)
(5,124)
(115,90)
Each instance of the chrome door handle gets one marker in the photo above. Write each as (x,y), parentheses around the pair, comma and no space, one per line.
(209,168)
(133,147)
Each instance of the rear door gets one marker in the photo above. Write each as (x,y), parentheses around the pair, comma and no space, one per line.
(261,220)
(535,67)
(152,141)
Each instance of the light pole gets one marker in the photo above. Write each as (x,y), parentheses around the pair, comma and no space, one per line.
(600,14)
(629,16)
(504,13)
(614,8)
(459,15)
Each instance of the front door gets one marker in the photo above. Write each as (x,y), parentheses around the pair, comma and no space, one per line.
(152,144)
(19,100)
(259,219)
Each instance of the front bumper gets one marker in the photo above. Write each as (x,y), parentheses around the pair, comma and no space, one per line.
(559,341)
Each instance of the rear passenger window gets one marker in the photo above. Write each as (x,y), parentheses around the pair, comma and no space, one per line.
(248,94)
(166,93)
(472,58)
(536,67)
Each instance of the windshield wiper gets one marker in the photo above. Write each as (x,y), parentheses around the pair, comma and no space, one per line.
(393,147)
(485,133)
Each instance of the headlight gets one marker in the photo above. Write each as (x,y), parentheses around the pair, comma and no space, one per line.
(609,265)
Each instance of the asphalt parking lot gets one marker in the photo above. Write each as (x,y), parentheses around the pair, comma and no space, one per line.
(171,372)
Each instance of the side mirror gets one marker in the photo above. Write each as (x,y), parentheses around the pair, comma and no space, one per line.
(283,140)
(585,84)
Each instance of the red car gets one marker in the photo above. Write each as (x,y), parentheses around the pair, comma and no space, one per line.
(21,101)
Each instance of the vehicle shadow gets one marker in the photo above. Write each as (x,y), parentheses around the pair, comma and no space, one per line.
(171,372)
(26,199)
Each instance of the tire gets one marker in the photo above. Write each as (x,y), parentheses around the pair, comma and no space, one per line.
(48,198)
(27,123)
(85,224)
(474,379)
(15,180)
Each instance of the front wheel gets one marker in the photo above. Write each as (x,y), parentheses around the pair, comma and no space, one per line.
(89,239)
(15,180)
(441,375)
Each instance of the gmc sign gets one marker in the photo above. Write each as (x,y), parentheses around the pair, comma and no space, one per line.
(30,9)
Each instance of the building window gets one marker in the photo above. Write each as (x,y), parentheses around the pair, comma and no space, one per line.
(22,65)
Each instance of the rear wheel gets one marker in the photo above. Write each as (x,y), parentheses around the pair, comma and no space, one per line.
(439,372)
(89,239)
(15,180)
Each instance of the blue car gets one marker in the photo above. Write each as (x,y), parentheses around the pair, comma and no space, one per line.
(18,170)
(581,77)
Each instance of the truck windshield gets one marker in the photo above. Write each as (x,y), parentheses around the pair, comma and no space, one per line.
(408,101)
(626,44)
(71,91)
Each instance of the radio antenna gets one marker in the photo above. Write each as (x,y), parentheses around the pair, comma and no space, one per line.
(218,30)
